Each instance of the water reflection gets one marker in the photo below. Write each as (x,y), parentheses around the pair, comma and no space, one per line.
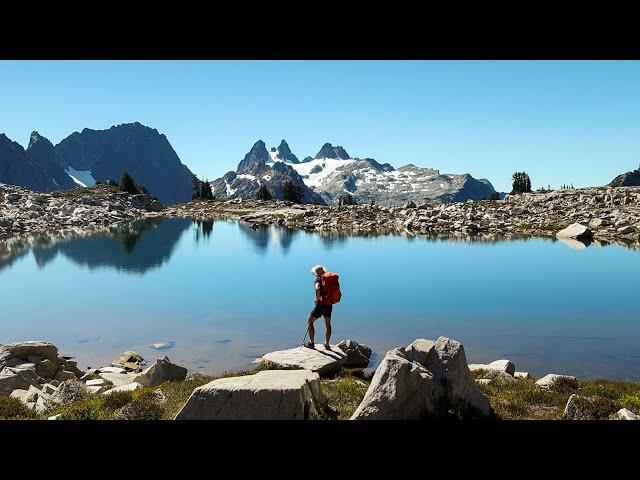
(264,237)
(137,247)
(146,244)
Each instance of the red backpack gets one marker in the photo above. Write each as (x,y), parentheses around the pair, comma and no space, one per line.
(330,288)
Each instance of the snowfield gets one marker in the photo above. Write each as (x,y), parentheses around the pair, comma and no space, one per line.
(83,178)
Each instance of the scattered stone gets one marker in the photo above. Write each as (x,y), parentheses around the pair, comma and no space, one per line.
(266,395)
(576,231)
(13,379)
(55,417)
(129,387)
(95,382)
(318,359)
(110,370)
(161,371)
(522,375)
(357,354)
(70,391)
(119,379)
(128,357)
(548,381)
(626,229)
(625,414)
(483,381)
(502,365)
(63,375)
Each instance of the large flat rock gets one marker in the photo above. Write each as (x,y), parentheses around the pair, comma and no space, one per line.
(267,395)
(319,360)
(119,379)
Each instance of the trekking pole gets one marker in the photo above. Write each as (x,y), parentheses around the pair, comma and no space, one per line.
(305,337)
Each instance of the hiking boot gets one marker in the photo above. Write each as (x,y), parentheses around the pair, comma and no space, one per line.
(327,346)
(309,344)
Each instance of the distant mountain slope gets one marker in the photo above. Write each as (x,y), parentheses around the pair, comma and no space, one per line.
(145,153)
(17,168)
(629,179)
(333,173)
(41,151)
(258,168)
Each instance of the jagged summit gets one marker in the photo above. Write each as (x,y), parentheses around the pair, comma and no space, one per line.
(257,155)
(329,151)
(283,152)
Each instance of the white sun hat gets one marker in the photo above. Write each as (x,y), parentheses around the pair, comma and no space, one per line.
(316,268)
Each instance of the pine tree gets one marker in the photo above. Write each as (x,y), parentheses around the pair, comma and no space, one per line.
(521,183)
(127,184)
(292,192)
(263,193)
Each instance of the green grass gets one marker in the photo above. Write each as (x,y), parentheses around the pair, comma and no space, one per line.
(512,400)
(344,392)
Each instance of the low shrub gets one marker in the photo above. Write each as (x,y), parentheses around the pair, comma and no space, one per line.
(12,408)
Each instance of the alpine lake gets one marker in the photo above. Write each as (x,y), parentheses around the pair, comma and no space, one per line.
(213,296)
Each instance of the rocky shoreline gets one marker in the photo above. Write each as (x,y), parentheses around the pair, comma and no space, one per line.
(424,380)
(611,215)
(25,212)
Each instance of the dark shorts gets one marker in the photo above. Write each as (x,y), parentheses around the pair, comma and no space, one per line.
(321,310)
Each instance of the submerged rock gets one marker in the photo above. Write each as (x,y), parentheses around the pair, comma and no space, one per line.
(267,395)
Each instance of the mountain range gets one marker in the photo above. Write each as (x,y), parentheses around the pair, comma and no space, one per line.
(85,157)
(88,156)
(333,173)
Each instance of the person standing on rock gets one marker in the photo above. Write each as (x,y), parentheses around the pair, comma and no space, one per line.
(327,292)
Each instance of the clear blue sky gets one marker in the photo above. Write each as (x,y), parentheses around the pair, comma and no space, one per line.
(562,122)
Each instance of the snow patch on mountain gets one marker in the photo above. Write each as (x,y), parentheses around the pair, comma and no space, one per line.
(83,178)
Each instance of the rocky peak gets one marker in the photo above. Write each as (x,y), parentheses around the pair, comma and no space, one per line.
(40,146)
(284,152)
(257,155)
(329,151)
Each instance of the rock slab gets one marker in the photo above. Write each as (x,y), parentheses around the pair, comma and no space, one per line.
(267,395)
(319,359)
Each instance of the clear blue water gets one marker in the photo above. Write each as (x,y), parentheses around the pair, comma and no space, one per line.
(224,294)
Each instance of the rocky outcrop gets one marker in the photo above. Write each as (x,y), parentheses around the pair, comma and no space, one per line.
(358,355)
(33,372)
(629,179)
(424,380)
(266,395)
(142,151)
(24,211)
(318,360)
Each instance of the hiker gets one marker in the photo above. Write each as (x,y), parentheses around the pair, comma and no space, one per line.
(327,292)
